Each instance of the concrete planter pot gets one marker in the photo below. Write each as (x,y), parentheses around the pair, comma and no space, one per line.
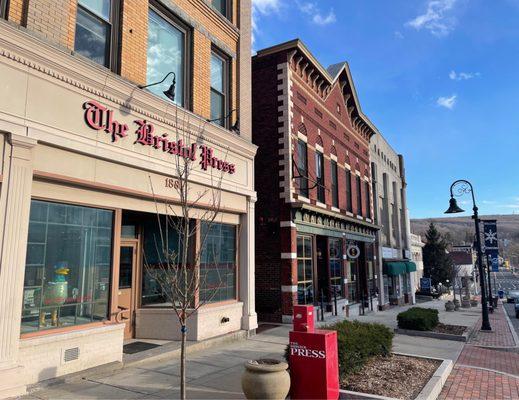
(449,306)
(266,379)
(465,303)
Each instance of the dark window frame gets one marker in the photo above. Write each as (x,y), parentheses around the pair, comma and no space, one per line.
(359,196)
(367,199)
(226,85)
(302,170)
(319,177)
(187,30)
(113,53)
(349,193)
(335,183)
(228,9)
(4,9)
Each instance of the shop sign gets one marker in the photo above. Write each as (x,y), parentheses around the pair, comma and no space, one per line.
(99,117)
(388,252)
(353,251)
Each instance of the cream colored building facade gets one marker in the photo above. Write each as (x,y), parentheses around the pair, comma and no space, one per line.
(417,253)
(65,179)
(397,275)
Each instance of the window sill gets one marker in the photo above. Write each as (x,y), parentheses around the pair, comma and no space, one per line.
(68,329)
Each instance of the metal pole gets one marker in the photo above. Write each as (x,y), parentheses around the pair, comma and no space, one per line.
(335,300)
(322,305)
(485,325)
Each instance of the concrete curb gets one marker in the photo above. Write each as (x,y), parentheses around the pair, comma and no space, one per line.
(434,387)
(430,391)
(348,394)
(435,335)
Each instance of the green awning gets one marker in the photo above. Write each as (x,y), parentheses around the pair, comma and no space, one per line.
(394,268)
(410,266)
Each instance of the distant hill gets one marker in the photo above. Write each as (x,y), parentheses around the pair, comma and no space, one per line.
(460,230)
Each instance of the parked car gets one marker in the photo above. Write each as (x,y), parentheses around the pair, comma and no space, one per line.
(512,295)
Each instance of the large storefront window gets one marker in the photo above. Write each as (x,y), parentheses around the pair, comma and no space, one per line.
(67,272)
(305,286)
(335,266)
(217,262)
(157,256)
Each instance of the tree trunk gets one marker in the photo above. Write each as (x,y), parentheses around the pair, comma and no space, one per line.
(183,364)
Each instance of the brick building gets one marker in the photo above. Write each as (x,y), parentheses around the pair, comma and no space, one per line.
(314,225)
(88,159)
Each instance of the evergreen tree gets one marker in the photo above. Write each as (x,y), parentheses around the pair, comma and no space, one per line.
(437,263)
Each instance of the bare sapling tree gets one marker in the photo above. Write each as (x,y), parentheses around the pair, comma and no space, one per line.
(184,225)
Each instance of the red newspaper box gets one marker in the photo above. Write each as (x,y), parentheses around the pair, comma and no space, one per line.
(314,363)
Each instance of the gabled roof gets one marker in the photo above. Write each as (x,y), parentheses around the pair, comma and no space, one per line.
(335,72)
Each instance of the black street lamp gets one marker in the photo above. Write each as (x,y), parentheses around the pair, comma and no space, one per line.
(463,188)
(170,93)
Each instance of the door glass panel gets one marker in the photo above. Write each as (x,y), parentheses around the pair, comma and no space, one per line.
(125,268)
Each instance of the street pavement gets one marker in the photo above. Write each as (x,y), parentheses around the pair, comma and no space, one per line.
(504,280)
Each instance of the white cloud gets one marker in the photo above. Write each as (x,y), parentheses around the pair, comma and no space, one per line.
(318,18)
(435,19)
(447,102)
(262,8)
(398,35)
(463,76)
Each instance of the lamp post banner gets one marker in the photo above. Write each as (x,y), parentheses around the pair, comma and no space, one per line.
(491,243)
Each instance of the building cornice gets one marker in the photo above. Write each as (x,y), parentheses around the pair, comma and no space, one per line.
(297,50)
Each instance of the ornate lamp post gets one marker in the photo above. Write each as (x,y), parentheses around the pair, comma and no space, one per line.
(463,187)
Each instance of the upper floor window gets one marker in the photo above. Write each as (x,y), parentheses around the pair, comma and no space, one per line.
(319,174)
(302,168)
(359,196)
(223,7)
(3,8)
(167,47)
(219,88)
(349,198)
(335,185)
(368,202)
(97,31)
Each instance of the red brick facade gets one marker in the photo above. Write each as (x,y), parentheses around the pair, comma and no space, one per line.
(295,98)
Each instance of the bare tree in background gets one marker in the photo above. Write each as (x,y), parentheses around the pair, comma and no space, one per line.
(177,272)
(456,269)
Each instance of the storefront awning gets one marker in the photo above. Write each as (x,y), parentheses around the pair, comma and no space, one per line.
(410,266)
(394,268)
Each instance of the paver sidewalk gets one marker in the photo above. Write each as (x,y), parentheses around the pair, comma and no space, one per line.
(484,369)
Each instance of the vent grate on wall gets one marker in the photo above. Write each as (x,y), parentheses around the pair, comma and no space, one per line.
(71,354)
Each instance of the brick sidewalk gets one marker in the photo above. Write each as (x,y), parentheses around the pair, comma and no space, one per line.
(483,373)
(500,336)
(475,384)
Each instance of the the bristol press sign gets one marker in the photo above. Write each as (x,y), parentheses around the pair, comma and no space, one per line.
(101,118)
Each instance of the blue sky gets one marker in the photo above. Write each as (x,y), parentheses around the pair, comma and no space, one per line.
(439,78)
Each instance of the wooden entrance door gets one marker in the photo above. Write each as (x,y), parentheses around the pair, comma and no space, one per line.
(128,286)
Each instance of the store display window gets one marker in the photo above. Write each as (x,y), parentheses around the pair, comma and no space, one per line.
(68,266)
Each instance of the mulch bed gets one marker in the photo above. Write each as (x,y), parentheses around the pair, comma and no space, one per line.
(450,329)
(397,376)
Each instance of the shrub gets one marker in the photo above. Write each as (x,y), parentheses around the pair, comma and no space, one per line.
(418,319)
(357,342)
